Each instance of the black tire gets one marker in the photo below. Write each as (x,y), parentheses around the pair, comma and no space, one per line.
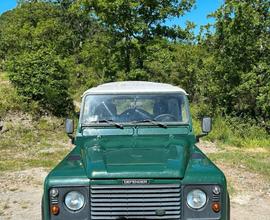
(229,207)
(42,208)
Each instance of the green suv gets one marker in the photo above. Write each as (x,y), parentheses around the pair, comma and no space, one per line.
(135,158)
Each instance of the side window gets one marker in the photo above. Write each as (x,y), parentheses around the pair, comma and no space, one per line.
(184,112)
(90,108)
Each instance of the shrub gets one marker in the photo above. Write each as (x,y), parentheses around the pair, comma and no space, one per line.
(9,99)
(235,131)
(40,77)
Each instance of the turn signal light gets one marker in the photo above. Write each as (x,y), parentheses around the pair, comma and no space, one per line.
(55,209)
(216,207)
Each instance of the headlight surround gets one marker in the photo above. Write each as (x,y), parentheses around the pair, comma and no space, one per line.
(196,199)
(74,200)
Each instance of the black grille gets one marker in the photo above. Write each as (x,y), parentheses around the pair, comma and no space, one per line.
(154,201)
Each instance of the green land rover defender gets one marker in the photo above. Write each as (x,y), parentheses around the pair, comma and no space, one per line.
(135,157)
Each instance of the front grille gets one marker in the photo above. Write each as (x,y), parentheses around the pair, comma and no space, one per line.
(154,201)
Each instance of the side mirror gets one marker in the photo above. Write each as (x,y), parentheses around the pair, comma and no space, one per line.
(206,124)
(69,126)
(206,127)
(70,129)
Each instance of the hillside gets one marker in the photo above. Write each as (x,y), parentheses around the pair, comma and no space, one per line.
(25,141)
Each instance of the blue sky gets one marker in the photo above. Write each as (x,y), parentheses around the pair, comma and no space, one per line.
(197,15)
(7,5)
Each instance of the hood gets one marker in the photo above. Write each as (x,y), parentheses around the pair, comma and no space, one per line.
(135,157)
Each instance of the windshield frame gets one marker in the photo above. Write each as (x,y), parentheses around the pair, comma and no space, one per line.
(133,123)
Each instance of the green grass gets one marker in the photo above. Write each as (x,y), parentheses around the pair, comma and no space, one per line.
(234,132)
(3,76)
(29,143)
(26,146)
(257,162)
(239,143)
(9,99)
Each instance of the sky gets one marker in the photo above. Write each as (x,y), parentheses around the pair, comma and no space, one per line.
(6,5)
(198,15)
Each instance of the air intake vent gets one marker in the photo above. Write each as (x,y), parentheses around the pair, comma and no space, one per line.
(152,201)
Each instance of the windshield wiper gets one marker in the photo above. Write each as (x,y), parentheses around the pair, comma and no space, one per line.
(154,122)
(110,122)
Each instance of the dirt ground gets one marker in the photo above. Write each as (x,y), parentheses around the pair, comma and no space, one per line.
(20,193)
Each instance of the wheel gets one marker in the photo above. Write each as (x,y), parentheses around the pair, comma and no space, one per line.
(229,207)
(134,114)
(42,208)
(165,117)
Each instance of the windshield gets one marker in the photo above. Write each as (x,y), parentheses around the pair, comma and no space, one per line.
(134,108)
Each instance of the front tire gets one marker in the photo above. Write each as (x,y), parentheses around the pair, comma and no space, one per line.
(229,207)
(42,208)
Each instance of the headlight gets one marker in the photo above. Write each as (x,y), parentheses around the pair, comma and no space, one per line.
(74,200)
(196,199)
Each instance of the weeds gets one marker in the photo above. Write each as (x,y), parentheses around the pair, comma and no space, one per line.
(32,143)
(9,99)
(234,132)
(258,162)
(242,143)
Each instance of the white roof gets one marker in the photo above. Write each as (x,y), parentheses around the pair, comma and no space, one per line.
(134,87)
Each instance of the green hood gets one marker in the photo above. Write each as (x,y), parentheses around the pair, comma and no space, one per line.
(148,156)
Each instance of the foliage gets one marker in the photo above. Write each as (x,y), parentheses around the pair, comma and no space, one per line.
(9,99)
(85,43)
(146,21)
(31,43)
(40,77)
(232,131)
(241,49)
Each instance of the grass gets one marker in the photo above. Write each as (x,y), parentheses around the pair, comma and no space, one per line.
(226,131)
(257,162)
(240,144)
(9,99)
(28,143)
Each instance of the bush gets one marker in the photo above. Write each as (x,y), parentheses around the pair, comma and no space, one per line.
(233,131)
(9,99)
(41,79)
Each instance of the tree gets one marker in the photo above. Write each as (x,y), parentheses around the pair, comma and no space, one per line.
(39,77)
(241,47)
(136,23)
(34,43)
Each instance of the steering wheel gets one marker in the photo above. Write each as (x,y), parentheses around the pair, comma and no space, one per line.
(143,113)
(165,117)
(134,114)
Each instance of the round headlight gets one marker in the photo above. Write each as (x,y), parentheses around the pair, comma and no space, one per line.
(196,199)
(74,200)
